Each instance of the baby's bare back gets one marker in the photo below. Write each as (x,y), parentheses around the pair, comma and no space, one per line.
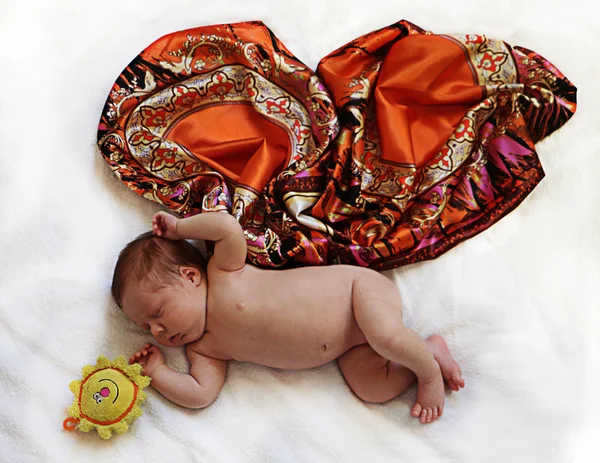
(292,319)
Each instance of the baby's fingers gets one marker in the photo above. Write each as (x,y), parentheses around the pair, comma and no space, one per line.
(135,358)
(157,224)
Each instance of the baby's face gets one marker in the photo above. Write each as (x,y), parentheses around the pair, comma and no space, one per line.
(175,314)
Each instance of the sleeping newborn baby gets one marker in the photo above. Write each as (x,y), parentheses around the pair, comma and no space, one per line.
(293,319)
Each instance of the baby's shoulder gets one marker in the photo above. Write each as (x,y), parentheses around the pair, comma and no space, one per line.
(207,346)
(214,272)
(212,265)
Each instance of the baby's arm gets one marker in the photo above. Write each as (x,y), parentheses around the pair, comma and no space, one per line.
(223,229)
(198,389)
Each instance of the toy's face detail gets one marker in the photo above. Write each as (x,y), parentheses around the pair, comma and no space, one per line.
(106,395)
(105,392)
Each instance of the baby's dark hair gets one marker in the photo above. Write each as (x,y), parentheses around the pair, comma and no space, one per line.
(154,258)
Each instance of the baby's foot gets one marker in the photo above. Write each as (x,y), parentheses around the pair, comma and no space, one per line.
(450,369)
(430,399)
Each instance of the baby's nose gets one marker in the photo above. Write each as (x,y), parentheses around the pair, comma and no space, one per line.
(156,330)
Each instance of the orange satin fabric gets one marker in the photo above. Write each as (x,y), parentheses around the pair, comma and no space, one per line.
(424,88)
(235,141)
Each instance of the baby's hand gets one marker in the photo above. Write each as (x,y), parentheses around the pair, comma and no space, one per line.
(150,357)
(165,225)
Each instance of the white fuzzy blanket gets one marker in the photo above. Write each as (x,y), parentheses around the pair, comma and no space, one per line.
(518,304)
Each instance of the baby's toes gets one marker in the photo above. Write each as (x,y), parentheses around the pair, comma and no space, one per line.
(416,410)
(452,385)
(429,415)
(457,381)
(424,415)
(435,414)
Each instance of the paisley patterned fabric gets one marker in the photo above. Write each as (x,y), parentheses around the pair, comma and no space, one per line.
(401,145)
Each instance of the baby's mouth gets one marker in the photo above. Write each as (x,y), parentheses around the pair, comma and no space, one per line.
(176,337)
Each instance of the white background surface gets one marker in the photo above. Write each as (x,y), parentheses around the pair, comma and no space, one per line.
(518,304)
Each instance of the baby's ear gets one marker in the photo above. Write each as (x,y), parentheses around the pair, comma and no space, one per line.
(191,274)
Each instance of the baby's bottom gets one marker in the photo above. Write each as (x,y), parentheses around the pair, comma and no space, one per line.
(374,378)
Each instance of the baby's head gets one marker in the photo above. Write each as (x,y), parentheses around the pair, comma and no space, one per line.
(161,285)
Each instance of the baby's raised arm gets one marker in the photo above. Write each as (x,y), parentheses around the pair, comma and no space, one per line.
(223,229)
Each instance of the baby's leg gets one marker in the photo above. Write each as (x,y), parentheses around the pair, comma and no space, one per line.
(378,312)
(374,378)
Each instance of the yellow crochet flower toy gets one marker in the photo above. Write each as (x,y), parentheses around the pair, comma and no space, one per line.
(108,398)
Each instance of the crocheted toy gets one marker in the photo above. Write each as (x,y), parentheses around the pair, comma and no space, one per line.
(108,398)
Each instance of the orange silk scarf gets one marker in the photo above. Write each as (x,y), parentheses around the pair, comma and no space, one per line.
(401,145)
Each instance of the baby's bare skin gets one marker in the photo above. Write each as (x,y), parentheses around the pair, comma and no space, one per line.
(290,319)
(287,319)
